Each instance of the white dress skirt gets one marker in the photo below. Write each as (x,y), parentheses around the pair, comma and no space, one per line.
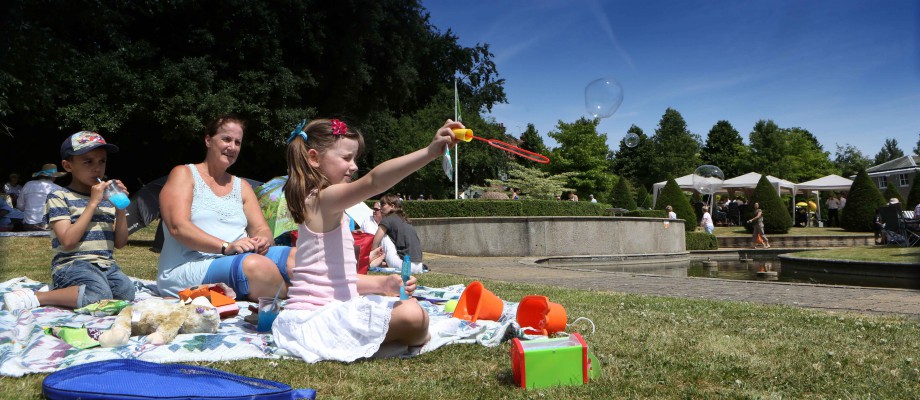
(339,331)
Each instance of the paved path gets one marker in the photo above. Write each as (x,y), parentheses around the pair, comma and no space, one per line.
(826,297)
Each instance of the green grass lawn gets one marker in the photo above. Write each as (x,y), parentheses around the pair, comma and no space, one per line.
(650,347)
(871,253)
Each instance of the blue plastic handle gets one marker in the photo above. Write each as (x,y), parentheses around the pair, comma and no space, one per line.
(406,271)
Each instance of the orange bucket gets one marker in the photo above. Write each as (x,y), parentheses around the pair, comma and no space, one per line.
(541,316)
(477,303)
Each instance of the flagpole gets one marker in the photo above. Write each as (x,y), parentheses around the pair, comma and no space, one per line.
(456,154)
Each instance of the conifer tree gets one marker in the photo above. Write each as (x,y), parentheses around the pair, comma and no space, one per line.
(913,197)
(672,195)
(864,199)
(776,218)
(892,192)
(623,196)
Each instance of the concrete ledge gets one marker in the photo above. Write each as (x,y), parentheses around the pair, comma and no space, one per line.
(550,236)
(740,242)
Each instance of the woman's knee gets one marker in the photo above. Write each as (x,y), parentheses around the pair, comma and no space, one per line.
(258,267)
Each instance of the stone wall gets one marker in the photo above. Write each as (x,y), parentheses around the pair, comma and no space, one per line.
(550,236)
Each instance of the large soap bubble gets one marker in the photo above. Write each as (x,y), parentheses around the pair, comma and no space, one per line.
(603,97)
(707,179)
(631,139)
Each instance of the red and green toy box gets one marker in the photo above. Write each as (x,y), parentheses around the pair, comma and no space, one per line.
(541,363)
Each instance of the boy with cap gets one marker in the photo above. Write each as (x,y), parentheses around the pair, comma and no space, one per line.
(85,230)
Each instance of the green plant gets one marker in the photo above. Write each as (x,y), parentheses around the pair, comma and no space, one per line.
(892,192)
(503,208)
(622,196)
(776,218)
(672,195)
(913,197)
(701,241)
(864,199)
(647,213)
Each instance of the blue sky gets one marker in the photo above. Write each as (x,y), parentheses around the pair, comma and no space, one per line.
(847,71)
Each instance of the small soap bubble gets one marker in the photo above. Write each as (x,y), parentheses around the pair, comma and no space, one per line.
(707,179)
(603,97)
(631,139)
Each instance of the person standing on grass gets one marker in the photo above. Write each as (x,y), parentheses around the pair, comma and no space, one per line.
(85,230)
(334,313)
(706,221)
(833,215)
(759,236)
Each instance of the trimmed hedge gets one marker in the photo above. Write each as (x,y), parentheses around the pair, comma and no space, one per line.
(672,195)
(647,213)
(701,241)
(776,218)
(502,208)
(864,199)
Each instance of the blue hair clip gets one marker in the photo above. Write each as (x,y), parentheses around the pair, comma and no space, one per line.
(298,131)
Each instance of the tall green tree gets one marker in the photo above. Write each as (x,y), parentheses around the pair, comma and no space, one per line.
(725,149)
(643,199)
(804,158)
(864,199)
(676,150)
(849,160)
(149,74)
(672,195)
(889,151)
(622,196)
(583,150)
(632,162)
(532,141)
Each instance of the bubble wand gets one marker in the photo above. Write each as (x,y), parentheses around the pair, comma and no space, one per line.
(406,270)
(466,135)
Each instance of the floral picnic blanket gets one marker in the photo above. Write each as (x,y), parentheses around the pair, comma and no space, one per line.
(25,347)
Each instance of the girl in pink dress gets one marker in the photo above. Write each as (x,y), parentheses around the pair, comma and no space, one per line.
(332,312)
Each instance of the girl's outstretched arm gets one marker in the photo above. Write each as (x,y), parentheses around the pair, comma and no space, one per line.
(388,173)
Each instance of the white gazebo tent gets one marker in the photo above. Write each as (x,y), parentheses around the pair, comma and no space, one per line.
(750,179)
(831,182)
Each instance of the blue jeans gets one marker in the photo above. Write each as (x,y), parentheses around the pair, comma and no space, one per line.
(95,283)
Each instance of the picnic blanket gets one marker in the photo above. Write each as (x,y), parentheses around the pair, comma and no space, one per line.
(25,348)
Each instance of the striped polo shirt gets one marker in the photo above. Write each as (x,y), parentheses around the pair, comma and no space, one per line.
(98,241)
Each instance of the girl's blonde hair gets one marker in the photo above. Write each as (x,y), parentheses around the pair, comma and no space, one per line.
(303,179)
(394,201)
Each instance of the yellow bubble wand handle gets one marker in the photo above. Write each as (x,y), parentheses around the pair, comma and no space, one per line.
(465,135)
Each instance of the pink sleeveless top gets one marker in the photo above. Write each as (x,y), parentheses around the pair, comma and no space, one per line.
(325,269)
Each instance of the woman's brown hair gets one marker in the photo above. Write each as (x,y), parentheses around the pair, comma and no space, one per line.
(396,203)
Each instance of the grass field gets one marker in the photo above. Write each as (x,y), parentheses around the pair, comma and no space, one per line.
(650,347)
(794,231)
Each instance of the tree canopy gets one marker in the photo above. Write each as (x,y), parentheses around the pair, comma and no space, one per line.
(149,74)
(889,151)
(725,149)
(584,151)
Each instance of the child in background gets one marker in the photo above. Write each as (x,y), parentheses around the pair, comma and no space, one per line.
(332,313)
(706,222)
(403,237)
(85,230)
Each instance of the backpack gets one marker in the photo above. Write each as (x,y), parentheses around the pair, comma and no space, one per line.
(135,379)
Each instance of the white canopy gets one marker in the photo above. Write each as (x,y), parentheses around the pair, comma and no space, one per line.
(831,182)
(750,179)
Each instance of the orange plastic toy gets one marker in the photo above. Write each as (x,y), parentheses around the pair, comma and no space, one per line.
(477,303)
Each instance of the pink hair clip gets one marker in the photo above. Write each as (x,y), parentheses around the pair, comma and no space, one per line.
(339,127)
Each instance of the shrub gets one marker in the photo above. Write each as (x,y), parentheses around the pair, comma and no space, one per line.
(776,218)
(647,213)
(643,200)
(672,195)
(913,197)
(509,208)
(892,192)
(623,196)
(701,241)
(864,199)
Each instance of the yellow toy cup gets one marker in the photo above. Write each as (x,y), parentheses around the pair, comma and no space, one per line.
(465,135)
